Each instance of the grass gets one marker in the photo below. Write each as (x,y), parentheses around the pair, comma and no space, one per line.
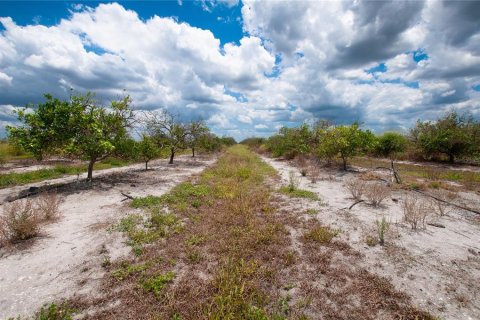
(21,178)
(410,173)
(233,255)
(321,234)
(298,193)
(55,311)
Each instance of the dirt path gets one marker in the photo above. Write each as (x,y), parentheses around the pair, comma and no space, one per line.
(438,267)
(67,258)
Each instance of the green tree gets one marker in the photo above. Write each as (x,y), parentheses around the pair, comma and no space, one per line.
(46,127)
(453,135)
(196,129)
(291,142)
(78,127)
(147,149)
(344,141)
(390,144)
(167,131)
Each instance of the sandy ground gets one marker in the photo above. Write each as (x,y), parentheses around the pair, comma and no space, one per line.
(438,267)
(66,259)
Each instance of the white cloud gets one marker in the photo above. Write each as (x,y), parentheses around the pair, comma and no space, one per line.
(324,48)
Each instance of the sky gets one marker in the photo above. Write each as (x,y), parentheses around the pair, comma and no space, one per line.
(248,67)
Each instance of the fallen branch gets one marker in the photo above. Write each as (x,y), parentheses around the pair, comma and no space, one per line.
(438,225)
(354,204)
(127,196)
(449,203)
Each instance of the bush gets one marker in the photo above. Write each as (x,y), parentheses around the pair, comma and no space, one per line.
(314,173)
(356,188)
(382,227)
(48,204)
(376,193)
(293,181)
(441,207)
(20,221)
(321,234)
(415,211)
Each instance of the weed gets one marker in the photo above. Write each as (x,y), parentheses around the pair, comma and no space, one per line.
(298,193)
(415,211)
(440,206)
(48,204)
(321,234)
(55,312)
(20,221)
(356,188)
(127,270)
(376,193)
(314,173)
(146,202)
(371,241)
(293,181)
(312,211)
(382,227)
(155,284)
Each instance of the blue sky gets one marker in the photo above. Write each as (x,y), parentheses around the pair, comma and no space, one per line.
(248,67)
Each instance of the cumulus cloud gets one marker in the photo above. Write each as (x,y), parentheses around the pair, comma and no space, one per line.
(385,64)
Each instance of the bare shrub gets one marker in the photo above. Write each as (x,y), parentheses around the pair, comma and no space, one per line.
(356,187)
(48,204)
(293,181)
(439,206)
(314,173)
(415,211)
(19,221)
(376,192)
(304,171)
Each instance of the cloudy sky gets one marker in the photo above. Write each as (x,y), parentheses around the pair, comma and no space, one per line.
(248,67)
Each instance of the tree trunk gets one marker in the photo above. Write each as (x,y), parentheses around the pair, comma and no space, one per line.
(193,152)
(146,165)
(90,168)
(395,173)
(344,163)
(172,154)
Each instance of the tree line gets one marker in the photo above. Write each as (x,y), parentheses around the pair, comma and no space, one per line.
(82,128)
(450,137)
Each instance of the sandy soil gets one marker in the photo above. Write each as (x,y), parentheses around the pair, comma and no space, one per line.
(438,267)
(67,258)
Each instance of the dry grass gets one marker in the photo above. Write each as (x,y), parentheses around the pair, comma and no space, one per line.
(249,260)
(20,221)
(440,207)
(356,187)
(314,173)
(48,204)
(376,192)
(415,211)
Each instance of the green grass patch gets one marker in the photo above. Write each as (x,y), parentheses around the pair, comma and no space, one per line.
(55,311)
(321,234)
(127,270)
(298,193)
(155,284)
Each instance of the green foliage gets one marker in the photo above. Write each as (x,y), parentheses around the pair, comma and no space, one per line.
(196,129)
(147,149)
(343,141)
(155,284)
(321,234)
(78,127)
(290,142)
(382,227)
(55,312)
(390,144)
(127,270)
(453,135)
(298,193)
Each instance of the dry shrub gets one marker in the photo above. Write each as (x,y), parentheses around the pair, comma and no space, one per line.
(376,192)
(48,204)
(439,206)
(415,211)
(314,173)
(20,221)
(301,161)
(370,176)
(356,188)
